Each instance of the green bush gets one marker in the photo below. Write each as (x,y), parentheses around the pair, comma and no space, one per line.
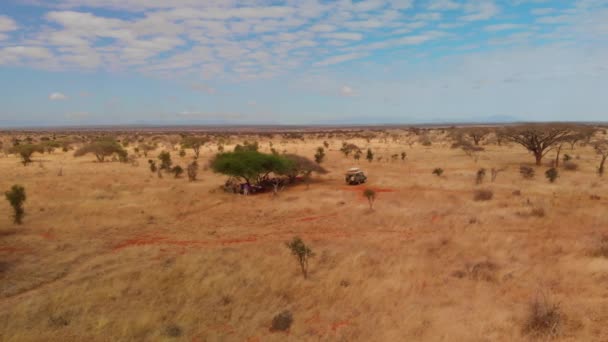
(301,252)
(16,197)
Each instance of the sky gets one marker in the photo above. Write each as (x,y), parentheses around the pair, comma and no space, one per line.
(179,62)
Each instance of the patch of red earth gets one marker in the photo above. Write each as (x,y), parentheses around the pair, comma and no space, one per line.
(47,236)
(335,326)
(14,250)
(314,218)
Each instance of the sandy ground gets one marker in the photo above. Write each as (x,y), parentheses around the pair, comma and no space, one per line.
(110,252)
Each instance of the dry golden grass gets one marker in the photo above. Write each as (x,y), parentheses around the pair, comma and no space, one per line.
(109,252)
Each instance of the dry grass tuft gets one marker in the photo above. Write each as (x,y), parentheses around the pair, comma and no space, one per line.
(483,195)
(544,318)
(601,247)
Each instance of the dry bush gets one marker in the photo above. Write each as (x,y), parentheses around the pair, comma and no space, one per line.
(526,171)
(601,247)
(537,212)
(282,321)
(483,195)
(485,270)
(543,319)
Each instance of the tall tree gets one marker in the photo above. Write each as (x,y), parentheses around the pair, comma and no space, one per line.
(539,139)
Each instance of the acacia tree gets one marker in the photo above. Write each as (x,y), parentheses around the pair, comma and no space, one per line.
(601,148)
(101,149)
(195,143)
(539,139)
(25,152)
(251,166)
(476,133)
(320,155)
(302,166)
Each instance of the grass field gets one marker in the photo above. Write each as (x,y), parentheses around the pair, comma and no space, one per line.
(110,252)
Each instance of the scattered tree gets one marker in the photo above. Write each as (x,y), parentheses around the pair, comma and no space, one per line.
(182,153)
(102,149)
(195,143)
(601,148)
(247,146)
(302,166)
(301,252)
(251,166)
(25,151)
(370,155)
(539,139)
(320,155)
(165,161)
(16,197)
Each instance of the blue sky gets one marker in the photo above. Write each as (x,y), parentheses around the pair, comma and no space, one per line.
(84,62)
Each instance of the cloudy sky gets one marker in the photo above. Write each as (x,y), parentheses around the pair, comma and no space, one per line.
(82,62)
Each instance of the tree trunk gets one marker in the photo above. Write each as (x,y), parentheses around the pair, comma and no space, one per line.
(559,149)
(539,158)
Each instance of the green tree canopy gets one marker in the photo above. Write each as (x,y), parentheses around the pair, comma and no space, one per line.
(250,165)
(195,143)
(101,149)
(26,151)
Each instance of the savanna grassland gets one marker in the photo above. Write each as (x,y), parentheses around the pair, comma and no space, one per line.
(108,251)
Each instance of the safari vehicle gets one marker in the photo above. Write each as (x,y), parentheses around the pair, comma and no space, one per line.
(355,176)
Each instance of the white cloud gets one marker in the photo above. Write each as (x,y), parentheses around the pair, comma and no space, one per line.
(443,5)
(57,97)
(503,27)
(480,10)
(7,24)
(344,35)
(340,59)
(347,91)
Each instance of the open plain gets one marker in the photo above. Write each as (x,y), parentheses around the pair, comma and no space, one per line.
(110,251)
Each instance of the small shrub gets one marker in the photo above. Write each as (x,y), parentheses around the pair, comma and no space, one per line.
(16,197)
(567,158)
(370,155)
(543,318)
(537,212)
(552,174)
(570,166)
(438,171)
(152,164)
(301,252)
(192,171)
(173,330)
(320,155)
(526,172)
(403,155)
(282,321)
(165,161)
(182,153)
(177,171)
(481,174)
(483,195)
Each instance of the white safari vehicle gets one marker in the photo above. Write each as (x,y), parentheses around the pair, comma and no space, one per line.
(354,176)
